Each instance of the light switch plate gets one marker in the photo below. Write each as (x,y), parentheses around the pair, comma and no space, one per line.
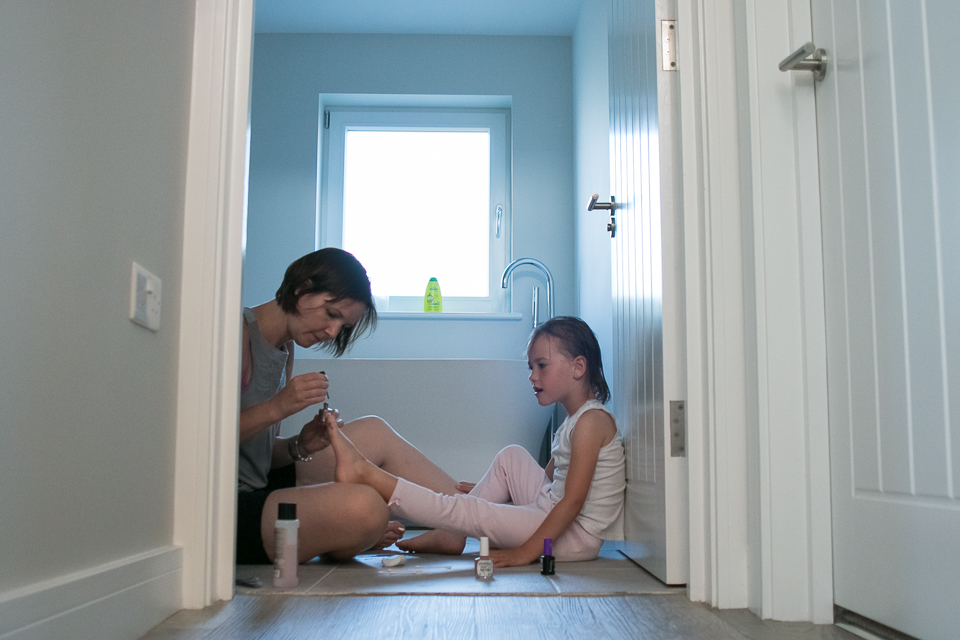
(145,298)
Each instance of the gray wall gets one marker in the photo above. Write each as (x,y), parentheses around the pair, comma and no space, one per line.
(93,129)
(292,70)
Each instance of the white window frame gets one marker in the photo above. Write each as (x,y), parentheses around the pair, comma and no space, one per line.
(335,121)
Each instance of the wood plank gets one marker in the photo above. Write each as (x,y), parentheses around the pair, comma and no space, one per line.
(653,617)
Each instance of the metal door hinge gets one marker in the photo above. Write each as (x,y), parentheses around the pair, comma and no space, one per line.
(678,429)
(326,119)
(668,44)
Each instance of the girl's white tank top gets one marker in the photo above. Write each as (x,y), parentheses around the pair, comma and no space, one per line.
(602,513)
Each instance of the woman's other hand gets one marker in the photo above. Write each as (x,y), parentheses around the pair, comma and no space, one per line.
(301,392)
(314,435)
(465,487)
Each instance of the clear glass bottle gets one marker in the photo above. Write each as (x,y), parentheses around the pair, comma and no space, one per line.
(483,564)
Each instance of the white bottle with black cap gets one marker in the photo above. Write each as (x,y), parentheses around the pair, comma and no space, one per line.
(287,539)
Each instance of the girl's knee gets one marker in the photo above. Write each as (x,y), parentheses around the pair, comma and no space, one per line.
(512,450)
(512,453)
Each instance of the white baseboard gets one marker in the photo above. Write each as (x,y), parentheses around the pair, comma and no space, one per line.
(121,599)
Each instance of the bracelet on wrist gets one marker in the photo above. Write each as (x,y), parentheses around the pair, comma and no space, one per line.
(293,448)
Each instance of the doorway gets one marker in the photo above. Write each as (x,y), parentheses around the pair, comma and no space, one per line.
(538,198)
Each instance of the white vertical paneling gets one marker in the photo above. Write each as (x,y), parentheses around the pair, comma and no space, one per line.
(884,242)
(942,91)
(669,291)
(888,132)
(922,280)
(759,466)
(787,439)
(853,250)
(635,351)
(725,414)
(656,503)
(714,322)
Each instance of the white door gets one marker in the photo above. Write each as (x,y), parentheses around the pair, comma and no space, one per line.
(646,289)
(889,136)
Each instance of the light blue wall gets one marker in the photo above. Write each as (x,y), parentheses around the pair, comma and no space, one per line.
(292,70)
(592,153)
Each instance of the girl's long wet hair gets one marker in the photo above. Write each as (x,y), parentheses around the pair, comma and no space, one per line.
(339,274)
(576,338)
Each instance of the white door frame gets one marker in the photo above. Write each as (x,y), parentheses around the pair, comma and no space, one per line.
(743,543)
(760,529)
(210,329)
(716,392)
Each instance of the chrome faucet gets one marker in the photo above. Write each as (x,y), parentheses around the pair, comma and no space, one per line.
(546,272)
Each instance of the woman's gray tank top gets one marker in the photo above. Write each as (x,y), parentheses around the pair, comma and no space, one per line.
(269,376)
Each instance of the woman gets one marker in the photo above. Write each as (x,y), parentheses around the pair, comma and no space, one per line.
(324,301)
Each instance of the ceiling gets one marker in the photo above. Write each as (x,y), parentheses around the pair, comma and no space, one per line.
(474,17)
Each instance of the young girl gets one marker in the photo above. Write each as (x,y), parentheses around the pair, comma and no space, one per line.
(577,501)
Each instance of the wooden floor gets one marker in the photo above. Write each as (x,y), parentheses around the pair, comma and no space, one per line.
(423,617)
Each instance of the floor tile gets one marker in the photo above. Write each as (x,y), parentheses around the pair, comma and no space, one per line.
(611,573)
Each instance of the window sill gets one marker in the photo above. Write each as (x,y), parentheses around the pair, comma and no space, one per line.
(474,315)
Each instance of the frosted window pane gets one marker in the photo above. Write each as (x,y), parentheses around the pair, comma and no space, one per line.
(416,205)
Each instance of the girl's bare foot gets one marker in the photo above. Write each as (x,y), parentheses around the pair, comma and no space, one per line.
(435,541)
(353,468)
(394,533)
(350,463)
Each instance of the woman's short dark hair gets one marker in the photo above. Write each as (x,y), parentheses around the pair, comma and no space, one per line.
(576,338)
(339,274)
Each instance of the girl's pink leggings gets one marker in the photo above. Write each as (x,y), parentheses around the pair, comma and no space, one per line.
(513,477)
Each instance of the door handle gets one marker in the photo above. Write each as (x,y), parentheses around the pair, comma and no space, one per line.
(601,205)
(611,206)
(807,58)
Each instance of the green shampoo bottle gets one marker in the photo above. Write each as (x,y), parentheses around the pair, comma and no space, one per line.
(432,301)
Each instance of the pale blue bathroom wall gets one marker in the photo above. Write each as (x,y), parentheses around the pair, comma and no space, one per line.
(290,71)
(591,112)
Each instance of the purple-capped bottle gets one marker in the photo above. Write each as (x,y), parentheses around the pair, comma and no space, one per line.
(548,564)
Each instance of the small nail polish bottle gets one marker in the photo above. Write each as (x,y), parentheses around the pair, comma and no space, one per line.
(548,564)
(483,564)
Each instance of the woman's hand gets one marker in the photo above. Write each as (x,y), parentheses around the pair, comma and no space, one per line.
(465,487)
(517,557)
(314,436)
(299,393)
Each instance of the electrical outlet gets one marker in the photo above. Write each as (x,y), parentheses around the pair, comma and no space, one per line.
(144,298)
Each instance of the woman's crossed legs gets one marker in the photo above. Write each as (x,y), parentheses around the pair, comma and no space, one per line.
(344,520)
